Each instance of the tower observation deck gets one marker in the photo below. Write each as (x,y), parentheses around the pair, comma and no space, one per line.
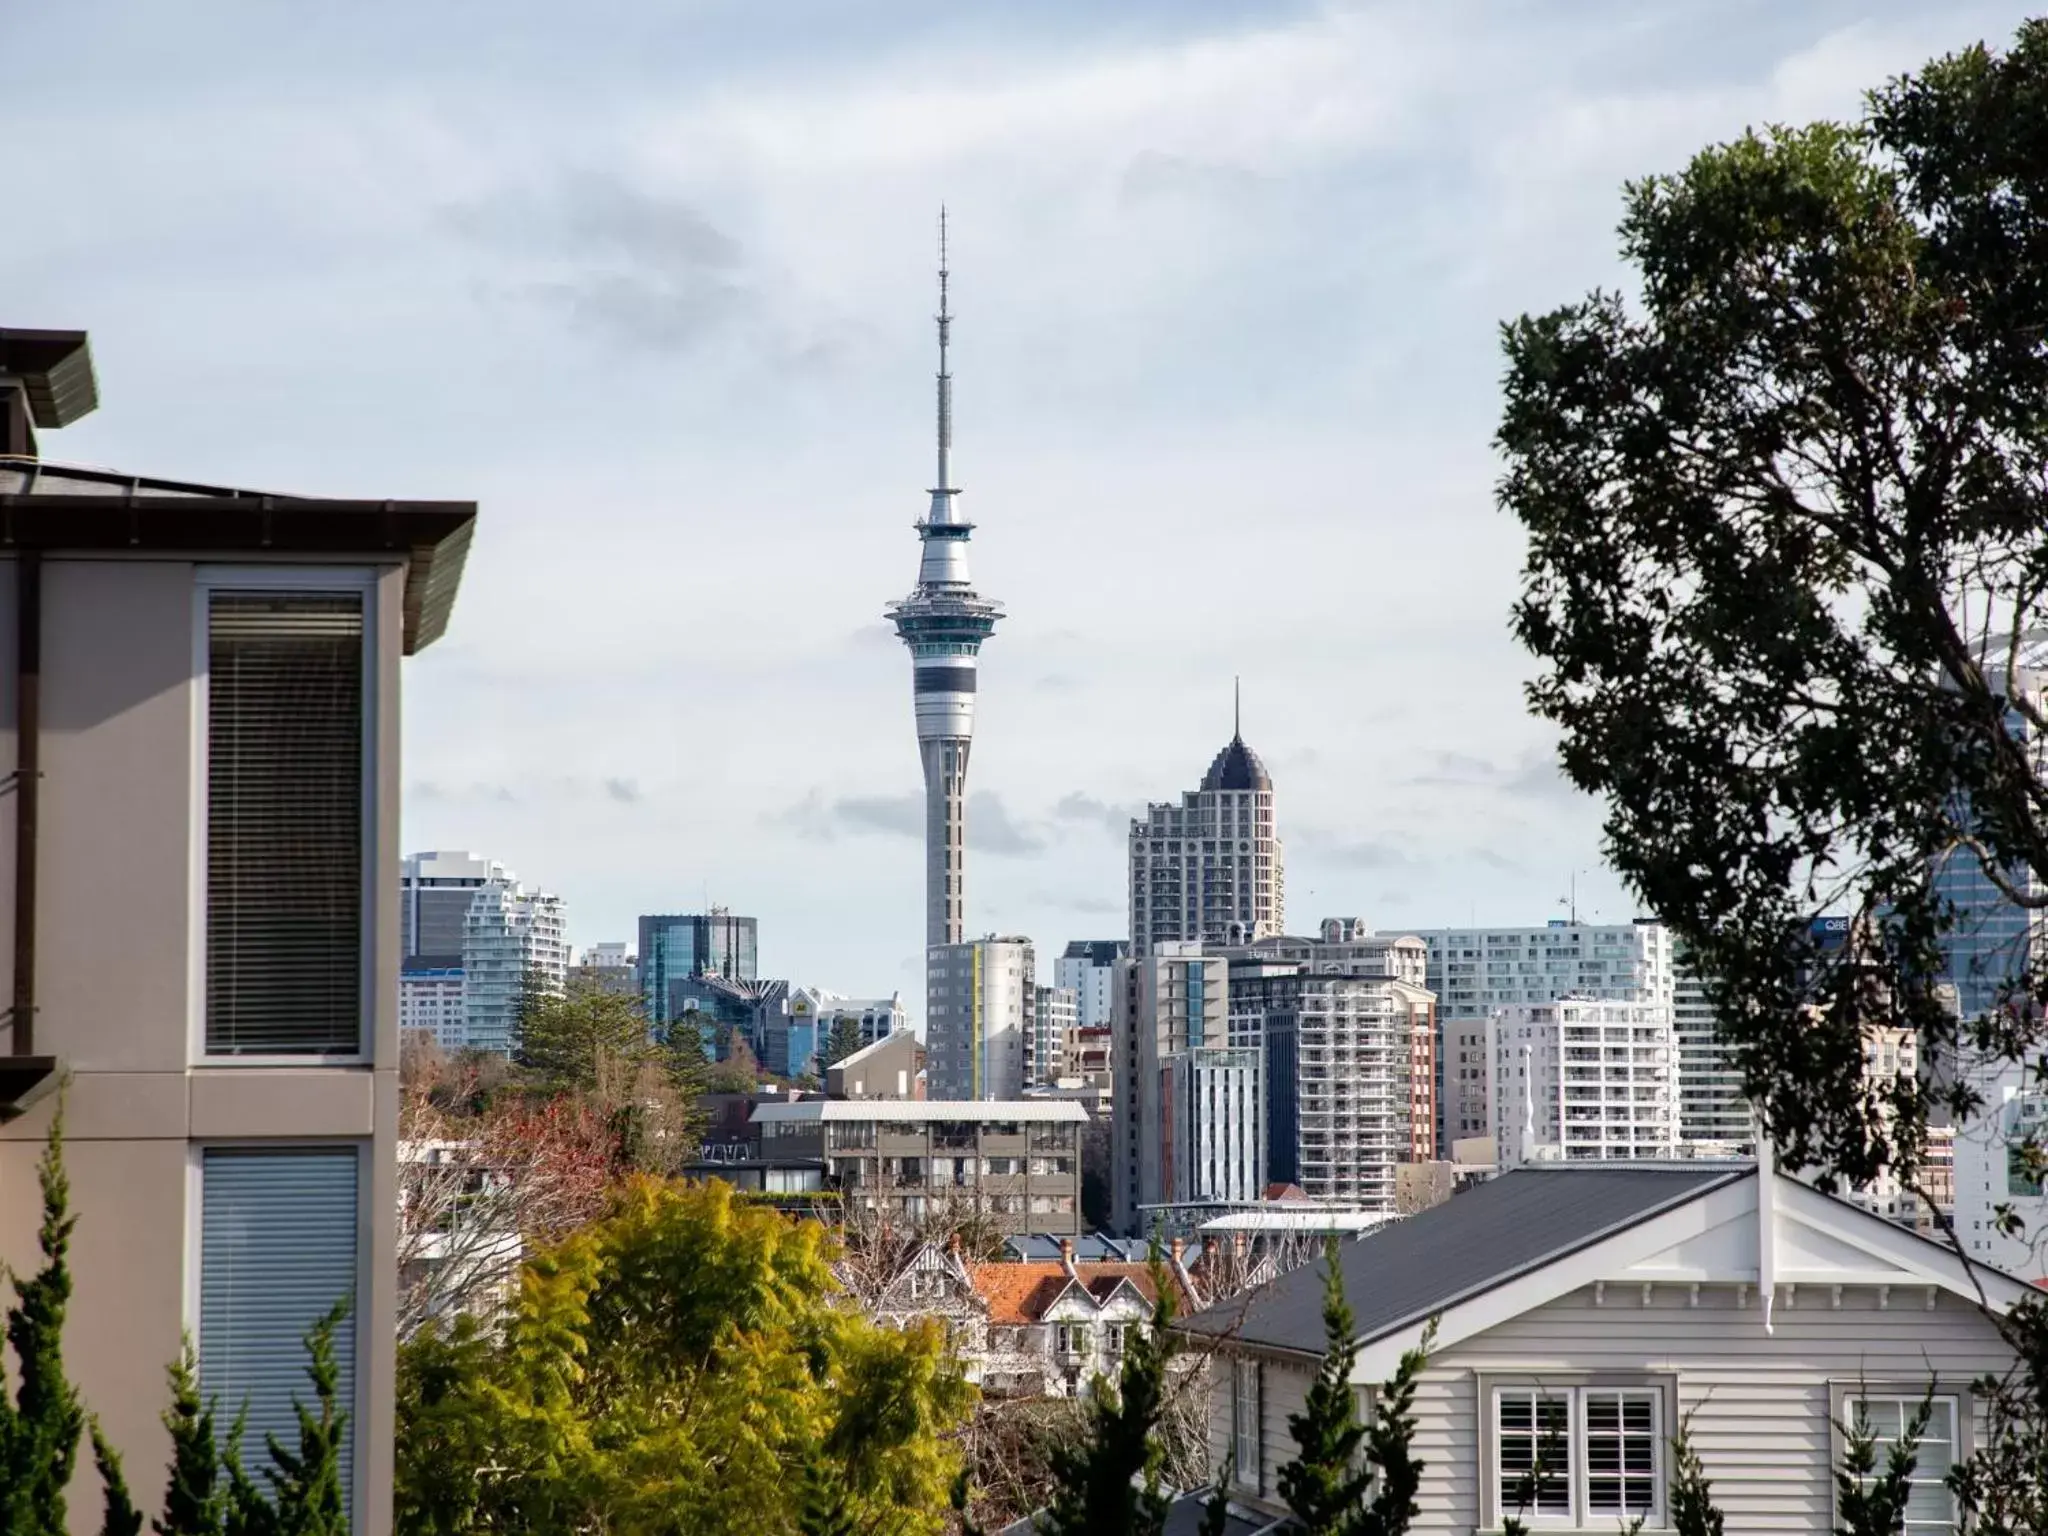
(944,621)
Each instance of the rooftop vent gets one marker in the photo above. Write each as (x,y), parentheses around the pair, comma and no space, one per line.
(46,380)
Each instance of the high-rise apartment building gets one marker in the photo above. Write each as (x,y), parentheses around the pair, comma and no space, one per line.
(1210,869)
(1347,1036)
(1088,969)
(1056,1015)
(679,945)
(1712,1111)
(1582,1078)
(944,622)
(1474,971)
(430,1002)
(1189,1123)
(983,1000)
(513,940)
(434,893)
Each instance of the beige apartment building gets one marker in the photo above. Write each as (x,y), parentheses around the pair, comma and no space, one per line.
(199,699)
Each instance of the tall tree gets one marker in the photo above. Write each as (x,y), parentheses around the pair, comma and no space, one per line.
(196,1498)
(1787,512)
(1107,1483)
(1327,1478)
(40,1428)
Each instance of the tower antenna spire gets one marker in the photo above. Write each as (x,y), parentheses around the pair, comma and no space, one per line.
(1237,709)
(945,376)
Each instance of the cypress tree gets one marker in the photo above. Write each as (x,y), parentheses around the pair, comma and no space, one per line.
(306,1497)
(122,1518)
(1216,1510)
(1327,1478)
(40,1429)
(196,1498)
(1107,1484)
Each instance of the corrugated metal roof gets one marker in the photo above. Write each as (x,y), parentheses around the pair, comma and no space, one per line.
(915,1110)
(1463,1248)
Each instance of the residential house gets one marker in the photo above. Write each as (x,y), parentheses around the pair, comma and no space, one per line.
(1588,1310)
(199,702)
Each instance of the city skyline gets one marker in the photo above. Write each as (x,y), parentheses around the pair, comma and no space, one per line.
(655,292)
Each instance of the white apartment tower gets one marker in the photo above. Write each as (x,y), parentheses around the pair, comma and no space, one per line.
(1210,869)
(982,1001)
(1582,1078)
(1474,971)
(1056,1015)
(1189,1125)
(1087,967)
(509,935)
(1713,1114)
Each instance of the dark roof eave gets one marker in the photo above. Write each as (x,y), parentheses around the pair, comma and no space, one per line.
(431,537)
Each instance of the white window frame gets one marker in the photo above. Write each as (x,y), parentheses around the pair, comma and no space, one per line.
(1070,1339)
(1573,1389)
(1247,1427)
(1845,1395)
(353,577)
(367,1214)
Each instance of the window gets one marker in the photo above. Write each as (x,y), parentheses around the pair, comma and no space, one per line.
(1244,1421)
(1071,1338)
(284,822)
(1930,1507)
(277,1249)
(1113,1338)
(1578,1456)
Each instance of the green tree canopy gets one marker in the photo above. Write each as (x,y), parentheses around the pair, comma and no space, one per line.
(671,1369)
(1787,510)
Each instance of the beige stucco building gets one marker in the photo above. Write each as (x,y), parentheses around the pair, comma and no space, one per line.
(199,692)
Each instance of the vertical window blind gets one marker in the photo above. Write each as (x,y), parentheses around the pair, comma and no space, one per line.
(277,1250)
(284,823)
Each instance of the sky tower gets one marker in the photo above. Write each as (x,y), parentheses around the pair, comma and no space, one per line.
(944,621)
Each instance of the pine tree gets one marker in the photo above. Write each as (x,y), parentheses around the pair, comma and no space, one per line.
(1692,1496)
(1390,1449)
(196,1499)
(1870,1503)
(306,1483)
(1107,1484)
(1326,1479)
(122,1518)
(1216,1509)
(40,1429)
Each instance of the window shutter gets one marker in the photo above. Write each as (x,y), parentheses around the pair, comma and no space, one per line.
(284,823)
(277,1250)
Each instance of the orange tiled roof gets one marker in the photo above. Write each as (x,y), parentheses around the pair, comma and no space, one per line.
(1017,1294)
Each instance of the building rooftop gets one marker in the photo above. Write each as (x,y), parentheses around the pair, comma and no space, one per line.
(1402,1273)
(1237,766)
(1020,1293)
(909,1111)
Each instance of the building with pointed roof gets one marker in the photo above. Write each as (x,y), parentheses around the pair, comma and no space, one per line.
(1210,869)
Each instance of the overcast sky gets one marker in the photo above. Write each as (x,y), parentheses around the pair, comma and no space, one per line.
(653,284)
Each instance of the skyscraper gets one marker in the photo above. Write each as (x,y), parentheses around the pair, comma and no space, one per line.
(434,893)
(981,999)
(944,621)
(675,946)
(512,939)
(1209,870)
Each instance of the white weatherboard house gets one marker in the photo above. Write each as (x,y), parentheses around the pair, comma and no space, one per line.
(1599,1304)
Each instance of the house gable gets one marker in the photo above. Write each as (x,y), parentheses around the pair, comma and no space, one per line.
(1803,1239)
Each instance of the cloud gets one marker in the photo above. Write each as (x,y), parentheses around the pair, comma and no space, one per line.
(1069,901)
(1153,176)
(624,791)
(1327,847)
(644,268)
(1080,806)
(478,793)
(991,828)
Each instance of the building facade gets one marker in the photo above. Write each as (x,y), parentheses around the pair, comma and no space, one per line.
(206,765)
(1582,1079)
(1713,1113)
(430,1002)
(434,893)
(1210,869)
(513,940)
(982,998)
(913,1160)
(1056,1014)
(679,946)
(1473,971)
(1087,968)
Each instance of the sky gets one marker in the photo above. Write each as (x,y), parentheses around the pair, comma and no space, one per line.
(653,284)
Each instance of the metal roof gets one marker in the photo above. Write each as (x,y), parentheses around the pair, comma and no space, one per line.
(1237,766)
(915,1110)
(1471,1244)
(55,507)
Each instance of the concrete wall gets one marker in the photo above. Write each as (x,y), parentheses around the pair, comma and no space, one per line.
(119,993)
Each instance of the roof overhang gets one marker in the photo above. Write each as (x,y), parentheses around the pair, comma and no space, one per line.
(55,370)
(52,508)
(23,1080)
